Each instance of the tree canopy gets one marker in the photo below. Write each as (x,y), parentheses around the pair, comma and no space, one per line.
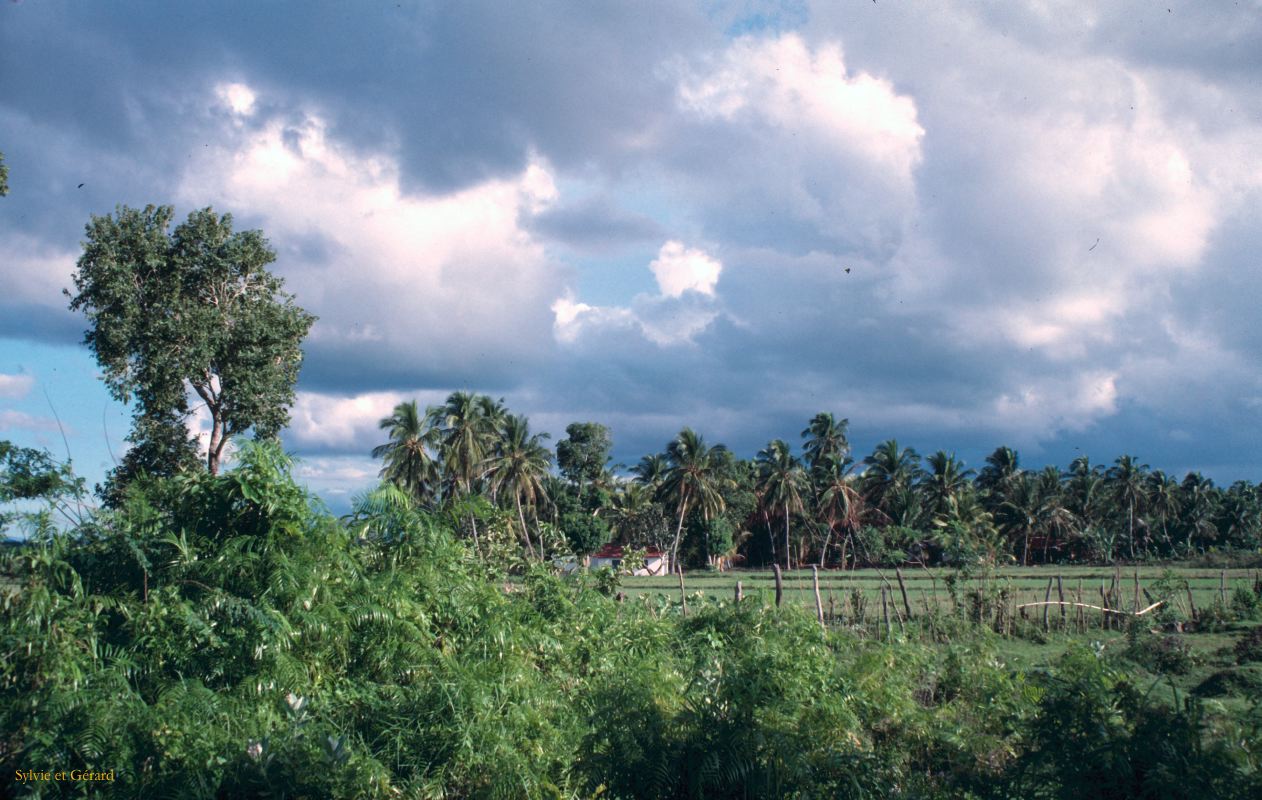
(192,311)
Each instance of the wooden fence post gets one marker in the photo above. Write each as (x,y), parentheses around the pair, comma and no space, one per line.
(683,598)
(1060,593)
(902,587)
(1047,598)
(819,605)
(740,592)
(779,584)
(885,613)
(1222,587)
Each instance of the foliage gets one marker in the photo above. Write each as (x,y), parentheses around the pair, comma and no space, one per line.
(1249,647)
(195,308)
(222,636)
(584,532)
(4,176)
(583,453)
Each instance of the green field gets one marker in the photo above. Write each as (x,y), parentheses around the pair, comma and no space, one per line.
(927,587)
(1028,643)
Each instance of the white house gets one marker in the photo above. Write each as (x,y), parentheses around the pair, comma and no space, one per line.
(655,561)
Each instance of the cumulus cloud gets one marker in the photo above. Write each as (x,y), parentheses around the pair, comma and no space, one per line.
(445,287)
(785,82)
(683,307)
(679,269)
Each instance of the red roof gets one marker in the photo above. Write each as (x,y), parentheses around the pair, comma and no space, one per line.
(615,551)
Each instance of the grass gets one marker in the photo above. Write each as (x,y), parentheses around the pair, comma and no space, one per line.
(927,588)
(1210,672)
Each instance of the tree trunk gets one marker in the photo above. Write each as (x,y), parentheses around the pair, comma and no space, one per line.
(524,532)
(679,529)
(787,565)
(823,553)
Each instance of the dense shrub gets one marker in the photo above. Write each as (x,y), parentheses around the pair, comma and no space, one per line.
(225,637)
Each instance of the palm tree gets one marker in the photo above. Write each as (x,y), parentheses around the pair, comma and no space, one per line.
(652,470)
(407,460)
(518,468)
(1018,514)
(467,426)
(1163,503)
(1053,513)
(1200,504)
(889,469)
(781,482)
(1125,479)
(692,479)
(837,500)
(825,437)
(999,477)
(945,479)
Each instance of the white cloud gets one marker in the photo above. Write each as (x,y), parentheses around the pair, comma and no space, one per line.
(685,305)
(784,82)
(15,387)
(679,269)
(20,421)
(236,96)
(428,282)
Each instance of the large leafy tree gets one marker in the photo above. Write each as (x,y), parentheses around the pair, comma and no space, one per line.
(582,455)
(4,177)
(192,311)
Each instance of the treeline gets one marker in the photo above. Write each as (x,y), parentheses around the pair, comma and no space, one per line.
(814,504)
(219,636)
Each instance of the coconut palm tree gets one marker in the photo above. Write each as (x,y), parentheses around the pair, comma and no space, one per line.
(1018,514)
(825,437)
(518,469)
(1163,503)
(1200,504)
(781,483)
(408,462)
(1054,516)
(838,502)
(692,480)
(889,469)
(943,482)
(1125,481)
(999,478)
(467,426)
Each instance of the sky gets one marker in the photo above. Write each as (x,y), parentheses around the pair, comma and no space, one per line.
(960,225)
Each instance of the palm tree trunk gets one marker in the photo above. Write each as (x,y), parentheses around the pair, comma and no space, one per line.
(679,529)
(823,553)
(524,532)
(1130,525)
(787,566)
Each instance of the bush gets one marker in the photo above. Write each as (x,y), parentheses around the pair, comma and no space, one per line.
(1249,647)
